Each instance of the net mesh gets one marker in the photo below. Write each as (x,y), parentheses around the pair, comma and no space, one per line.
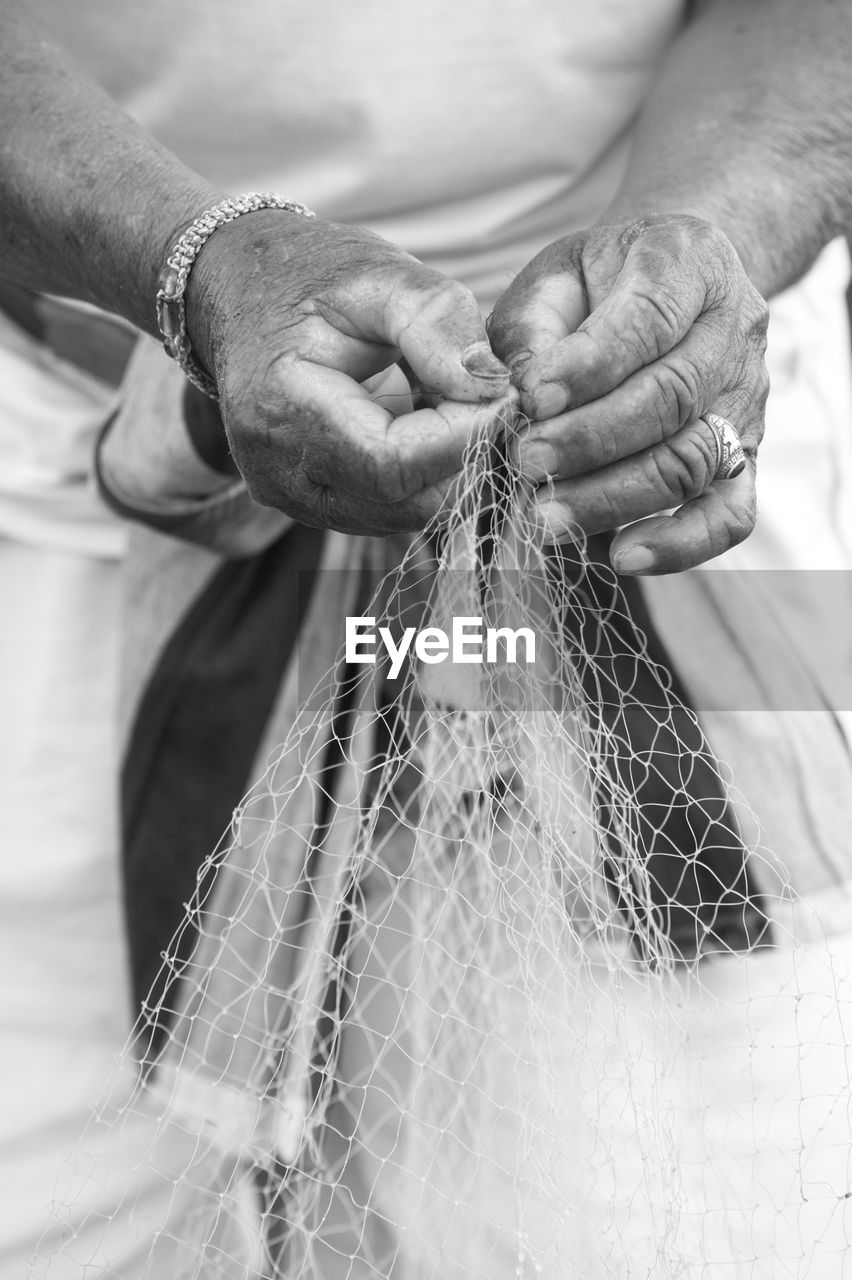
(484,981)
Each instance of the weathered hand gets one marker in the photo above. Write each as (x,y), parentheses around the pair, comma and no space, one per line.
(619,337)
(292,315)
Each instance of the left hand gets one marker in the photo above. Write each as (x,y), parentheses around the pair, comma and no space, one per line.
(292,316)
(619,337)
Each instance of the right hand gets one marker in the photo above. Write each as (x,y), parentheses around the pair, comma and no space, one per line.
(291,315)
(621,337)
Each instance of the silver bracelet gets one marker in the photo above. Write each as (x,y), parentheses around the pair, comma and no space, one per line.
(171,285)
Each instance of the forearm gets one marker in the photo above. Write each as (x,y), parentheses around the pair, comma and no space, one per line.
(749,126)
(89,204)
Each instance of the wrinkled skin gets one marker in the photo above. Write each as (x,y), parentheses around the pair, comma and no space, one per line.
(292,315)
(619,337)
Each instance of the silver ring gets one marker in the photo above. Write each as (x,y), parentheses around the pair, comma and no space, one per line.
(730,454)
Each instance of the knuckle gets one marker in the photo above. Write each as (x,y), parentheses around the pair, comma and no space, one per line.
(454,294)
(651,322)
(600,447)
(597,257)
(759,382)
(759,378)
(685,464)
(421,302)
(759,396)
(732,293)
(746,405)
(672,393)
(566,254)
(751,321)
(435,294)
(759,326)
(740,520)
(714,245)
(736,523)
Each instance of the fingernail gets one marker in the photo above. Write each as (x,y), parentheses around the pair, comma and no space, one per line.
(480,361)
(557,520)
(519,361)
(538,461)
(548,400)
(636,559)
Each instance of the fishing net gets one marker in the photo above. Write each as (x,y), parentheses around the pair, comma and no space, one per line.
(485,980)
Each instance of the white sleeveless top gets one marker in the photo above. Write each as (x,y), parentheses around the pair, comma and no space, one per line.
(471,132)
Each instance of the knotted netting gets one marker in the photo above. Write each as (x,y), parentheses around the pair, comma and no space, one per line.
(489,977)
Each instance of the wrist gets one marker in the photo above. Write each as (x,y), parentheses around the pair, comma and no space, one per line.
(192,298)
(164,230)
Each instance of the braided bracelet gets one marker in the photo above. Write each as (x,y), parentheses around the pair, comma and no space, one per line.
(172,282)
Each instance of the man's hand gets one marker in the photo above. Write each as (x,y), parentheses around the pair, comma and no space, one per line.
(291,316)
(619,338)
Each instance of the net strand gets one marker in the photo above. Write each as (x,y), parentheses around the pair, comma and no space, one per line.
(476,985)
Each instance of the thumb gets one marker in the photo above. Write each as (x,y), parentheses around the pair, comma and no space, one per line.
(538,310)
(437,326)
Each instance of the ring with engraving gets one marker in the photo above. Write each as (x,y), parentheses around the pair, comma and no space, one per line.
(730,454)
